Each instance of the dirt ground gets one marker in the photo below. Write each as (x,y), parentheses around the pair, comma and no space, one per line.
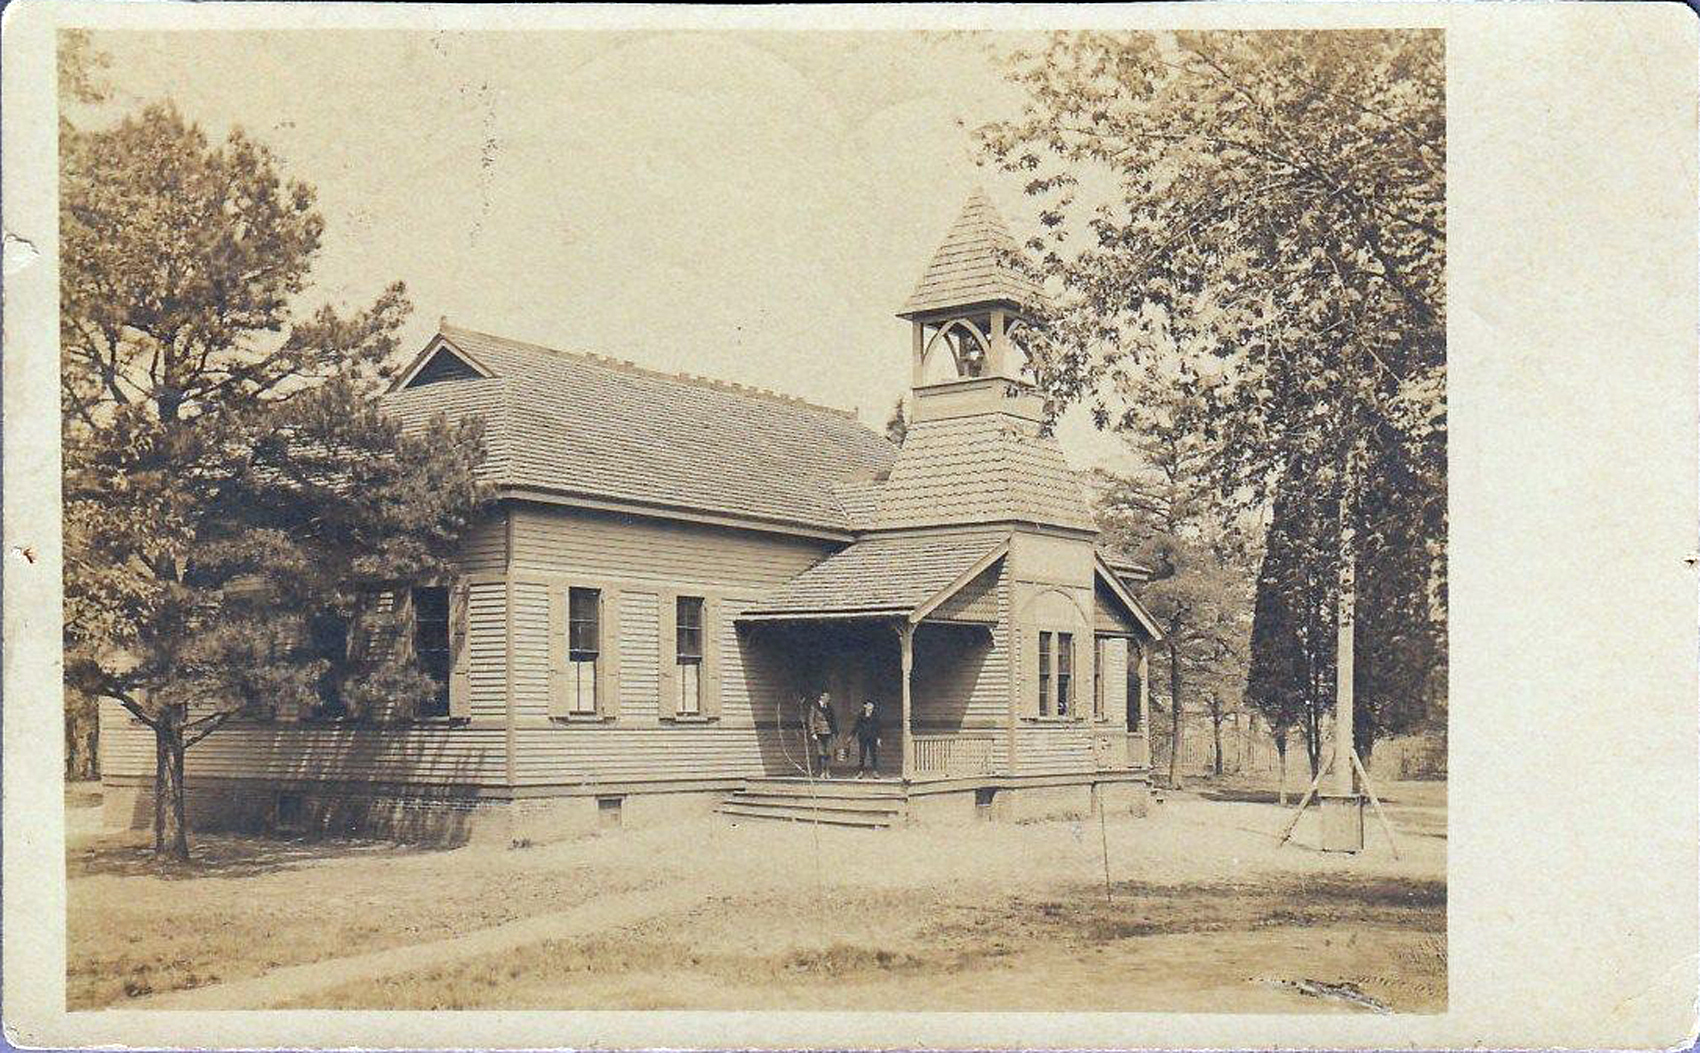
(1204,913)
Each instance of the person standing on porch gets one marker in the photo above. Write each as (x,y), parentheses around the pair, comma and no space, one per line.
(822,727)
(867,741)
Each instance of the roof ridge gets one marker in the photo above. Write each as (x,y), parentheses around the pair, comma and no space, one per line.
(447,329)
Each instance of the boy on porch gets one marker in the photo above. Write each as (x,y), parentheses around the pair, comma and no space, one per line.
(867,741)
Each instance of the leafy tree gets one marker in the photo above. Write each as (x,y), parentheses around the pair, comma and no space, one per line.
(1268,209)
(226,475)
(1291,676)
(1164,516)
(80,66)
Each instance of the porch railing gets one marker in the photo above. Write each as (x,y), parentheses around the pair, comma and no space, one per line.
(950,756)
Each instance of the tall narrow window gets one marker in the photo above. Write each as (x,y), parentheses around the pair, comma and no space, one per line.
(689,654)
(1065,673)
(328,638)
(584,639)
(1045,674)
(431,644)
(1098,678)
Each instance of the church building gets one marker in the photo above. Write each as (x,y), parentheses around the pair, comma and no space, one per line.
(673,566)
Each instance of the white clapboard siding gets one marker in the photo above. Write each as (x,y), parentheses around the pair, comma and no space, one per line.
(391,752)
(574,754)
(487,648)
(380,754)
(485,546)
(641,651)
(673,555)
(126,744)
(649,561)
(308,752)
(961,675)
(760,681)
(975,601)
(1053,748)
(1115,682)
(531,649)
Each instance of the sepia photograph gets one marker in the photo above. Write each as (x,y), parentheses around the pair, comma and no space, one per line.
(734,528)
(961,528)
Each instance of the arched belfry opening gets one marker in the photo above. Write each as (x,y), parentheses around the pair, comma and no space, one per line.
(955,349)
(964,311)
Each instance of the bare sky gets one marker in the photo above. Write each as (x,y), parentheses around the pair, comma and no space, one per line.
(748,206)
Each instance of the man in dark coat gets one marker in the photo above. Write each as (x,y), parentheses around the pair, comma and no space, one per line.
(868,741)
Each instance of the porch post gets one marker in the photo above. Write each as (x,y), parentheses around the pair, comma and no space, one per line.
(906,647)
(1145,697)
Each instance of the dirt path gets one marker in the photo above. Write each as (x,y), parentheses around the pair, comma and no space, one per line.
(301,981)
(714,914)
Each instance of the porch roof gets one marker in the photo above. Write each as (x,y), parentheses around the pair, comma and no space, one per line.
(882,577)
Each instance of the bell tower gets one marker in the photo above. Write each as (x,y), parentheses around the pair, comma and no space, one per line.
(962,315)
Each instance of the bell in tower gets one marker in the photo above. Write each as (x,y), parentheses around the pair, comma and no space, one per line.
(976,451)
(964,310)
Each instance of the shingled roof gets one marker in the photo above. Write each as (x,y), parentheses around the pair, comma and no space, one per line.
(881,576)
(986,468)
(587,425)
(972,266)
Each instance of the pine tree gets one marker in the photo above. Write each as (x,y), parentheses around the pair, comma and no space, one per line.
(1166,516)
(226,473)
(897,425)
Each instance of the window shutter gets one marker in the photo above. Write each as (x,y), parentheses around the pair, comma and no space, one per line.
(667,650)
(1115,679)
(401,649)
(360,620)
(1027,673)
(608,658)
(712,608)
(362,628)
(1079,678)
(558,702)
(460,651)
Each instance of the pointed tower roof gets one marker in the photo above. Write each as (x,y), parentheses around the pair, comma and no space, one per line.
(971,266)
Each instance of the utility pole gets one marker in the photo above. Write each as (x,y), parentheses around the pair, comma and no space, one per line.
(1342,805)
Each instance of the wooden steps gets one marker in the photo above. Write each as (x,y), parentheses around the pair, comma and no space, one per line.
(869,804)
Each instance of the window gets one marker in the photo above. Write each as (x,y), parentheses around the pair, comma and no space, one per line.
(1097,678)
(431,644)
(689,631)
(584,639)
(1065,672)
(1044,674)
(327,634)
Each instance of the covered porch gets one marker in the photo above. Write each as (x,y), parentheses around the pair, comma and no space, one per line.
(910,672)
(912,625)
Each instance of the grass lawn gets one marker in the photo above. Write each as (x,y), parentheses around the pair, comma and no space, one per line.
(1204,914)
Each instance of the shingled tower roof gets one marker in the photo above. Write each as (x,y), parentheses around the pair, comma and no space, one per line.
(971,266)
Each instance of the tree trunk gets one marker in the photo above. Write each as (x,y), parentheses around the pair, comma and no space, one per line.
(170,813)
(1281,758)
(1175,740)
(1216,734)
